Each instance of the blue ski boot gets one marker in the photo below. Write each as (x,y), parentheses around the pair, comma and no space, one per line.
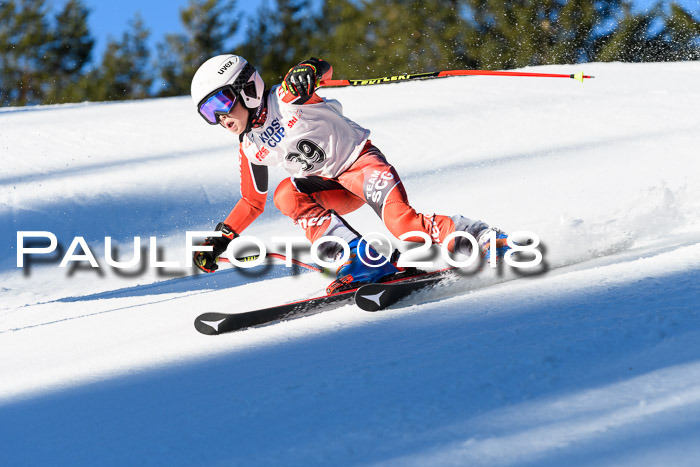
(482,233)
(364,266)
(484,241)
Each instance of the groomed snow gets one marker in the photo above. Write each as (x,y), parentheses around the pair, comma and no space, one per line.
(595,361)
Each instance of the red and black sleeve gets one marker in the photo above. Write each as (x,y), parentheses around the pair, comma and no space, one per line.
(254,186)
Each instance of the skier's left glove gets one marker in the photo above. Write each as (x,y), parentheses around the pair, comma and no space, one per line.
(301,79)
(206,260)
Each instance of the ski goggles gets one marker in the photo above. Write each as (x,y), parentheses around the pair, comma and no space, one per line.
(219,102)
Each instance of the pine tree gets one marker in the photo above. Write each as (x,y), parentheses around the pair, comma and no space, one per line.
(682,34)
(278,38)
(125,72)
(8,34)
(68,52)
(377,38)
(536,32)
(209,24)
(631,40)
(24,35)
(655,35)
(339,36)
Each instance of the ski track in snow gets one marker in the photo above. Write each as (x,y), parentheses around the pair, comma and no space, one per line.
(594,362)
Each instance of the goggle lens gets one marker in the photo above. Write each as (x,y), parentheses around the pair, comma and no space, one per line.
(219,103)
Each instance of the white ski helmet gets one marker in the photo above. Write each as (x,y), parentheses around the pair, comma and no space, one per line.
(228,70)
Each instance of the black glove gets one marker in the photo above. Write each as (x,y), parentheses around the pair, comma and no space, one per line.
(206,260)
(301,79)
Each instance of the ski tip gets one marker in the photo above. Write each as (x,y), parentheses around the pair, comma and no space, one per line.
(370,297)
(208,323)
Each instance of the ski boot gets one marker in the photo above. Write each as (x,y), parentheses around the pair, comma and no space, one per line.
(484,242)
(482,234)
(364,266)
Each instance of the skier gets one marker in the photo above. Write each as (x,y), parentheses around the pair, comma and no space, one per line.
(335,168)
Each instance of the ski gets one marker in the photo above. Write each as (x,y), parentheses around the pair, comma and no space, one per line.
(375,297)
(218,323)
(213,323)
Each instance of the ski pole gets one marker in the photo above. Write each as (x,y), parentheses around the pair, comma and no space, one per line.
(246,259)
(442,74)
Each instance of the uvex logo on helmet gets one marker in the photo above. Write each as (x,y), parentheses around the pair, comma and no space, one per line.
(223,68)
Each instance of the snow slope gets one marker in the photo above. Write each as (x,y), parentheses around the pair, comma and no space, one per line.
(596,361)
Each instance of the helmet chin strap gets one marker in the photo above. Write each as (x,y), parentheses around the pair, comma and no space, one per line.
(258,117)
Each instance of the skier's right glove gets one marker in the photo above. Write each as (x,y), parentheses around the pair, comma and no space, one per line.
(206,260)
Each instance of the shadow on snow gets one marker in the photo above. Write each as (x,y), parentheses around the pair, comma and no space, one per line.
(409,383)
